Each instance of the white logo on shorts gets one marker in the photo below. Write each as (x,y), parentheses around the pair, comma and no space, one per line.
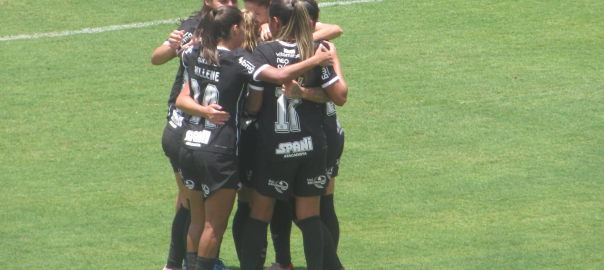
(319,182)
(206,189)
(280,186)
(190,184)
(330,173)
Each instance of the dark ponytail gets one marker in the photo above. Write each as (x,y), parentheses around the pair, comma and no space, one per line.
(215,25)
(313,9)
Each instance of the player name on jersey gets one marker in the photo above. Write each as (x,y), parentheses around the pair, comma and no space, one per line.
(209,74)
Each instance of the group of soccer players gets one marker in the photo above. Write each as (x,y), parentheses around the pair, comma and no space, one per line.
(252,110)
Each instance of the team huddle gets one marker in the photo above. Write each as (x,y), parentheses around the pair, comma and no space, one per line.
(252,118)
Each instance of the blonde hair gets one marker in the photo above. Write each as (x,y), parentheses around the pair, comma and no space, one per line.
(296,24)
(252,29)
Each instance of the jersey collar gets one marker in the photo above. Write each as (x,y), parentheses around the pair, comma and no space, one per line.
(287,44)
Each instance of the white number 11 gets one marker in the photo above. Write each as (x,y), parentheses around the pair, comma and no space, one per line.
(286,110)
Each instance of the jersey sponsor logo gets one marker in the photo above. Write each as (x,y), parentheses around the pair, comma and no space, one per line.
(318,182)
(186,38)
(197,138)
(209,74)
(325,73)
(295,149)
(280,185)
(281,62)
(246,64)
(288,53)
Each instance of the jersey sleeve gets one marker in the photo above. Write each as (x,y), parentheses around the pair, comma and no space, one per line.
(189,27)
(261,58)
(249,66)
(328,76)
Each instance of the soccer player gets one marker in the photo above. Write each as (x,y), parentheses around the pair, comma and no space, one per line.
(291,144)
(174,130)
(218,69)
(281,221)
(279,226)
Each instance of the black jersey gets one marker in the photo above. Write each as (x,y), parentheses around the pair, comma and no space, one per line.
(223,85)
(290,129)
(175,116)
(331,125)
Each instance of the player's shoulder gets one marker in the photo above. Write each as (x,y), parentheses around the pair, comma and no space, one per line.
(239,52)
(190,54)
(190,23)
(269,46)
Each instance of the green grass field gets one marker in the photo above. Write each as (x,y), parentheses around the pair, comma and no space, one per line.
(474,136)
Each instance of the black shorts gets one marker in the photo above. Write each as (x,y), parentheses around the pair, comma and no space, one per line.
(247,153)
(171,141)
(304,178)
(207,171)
(335,148)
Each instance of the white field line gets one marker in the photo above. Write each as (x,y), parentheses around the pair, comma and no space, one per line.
(144,24)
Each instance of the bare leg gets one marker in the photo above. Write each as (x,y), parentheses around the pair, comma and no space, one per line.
(218,209)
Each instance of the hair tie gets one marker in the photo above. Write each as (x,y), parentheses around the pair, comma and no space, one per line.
(214,11)
(294,3)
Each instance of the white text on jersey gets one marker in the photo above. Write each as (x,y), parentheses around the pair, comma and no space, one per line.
(295,149)
(212,75)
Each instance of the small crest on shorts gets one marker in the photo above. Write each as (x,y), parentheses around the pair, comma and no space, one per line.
(206,189)
(330,172)
(318,181)
(190,184)
(280,185)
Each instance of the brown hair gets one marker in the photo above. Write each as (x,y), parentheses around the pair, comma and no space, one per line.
(214,26)
(264,3)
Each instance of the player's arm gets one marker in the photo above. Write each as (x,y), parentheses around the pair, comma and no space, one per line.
(294,90)
(285,74)
(336,92)
(212,112)
(167,50)
(325,31)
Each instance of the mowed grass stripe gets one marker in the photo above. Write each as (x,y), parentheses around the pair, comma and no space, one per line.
(144,24)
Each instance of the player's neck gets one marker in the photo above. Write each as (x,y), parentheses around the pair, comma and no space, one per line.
(229,44)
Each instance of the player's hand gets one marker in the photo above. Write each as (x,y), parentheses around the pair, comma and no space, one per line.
(182,49)
(214,114)
(332,49)
(265,32)
(175,38)
(292,90)
(324,56)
